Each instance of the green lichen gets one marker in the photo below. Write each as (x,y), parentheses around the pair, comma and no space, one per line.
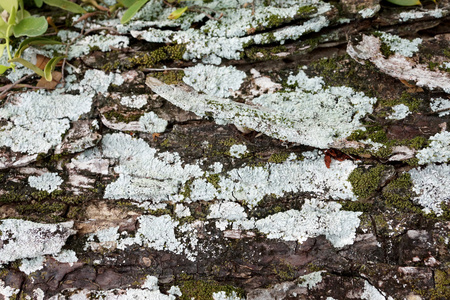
(204,289)
(165,53)
(366,182)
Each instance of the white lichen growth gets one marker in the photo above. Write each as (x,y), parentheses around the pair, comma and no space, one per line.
(440,104)
(315,218)
(66,256)
(215,81)
(134,101)
(150,122)
(400,112)
(310,280)
(226,296)
(8,292)
(144,174)
(31,265)
(46,182)
(412,15)
(238,150)
(432,185)
(182,211)
(315,119)
(401,46)
(369,12)
(231,211)
(438,151)
(25,239)
(372,293)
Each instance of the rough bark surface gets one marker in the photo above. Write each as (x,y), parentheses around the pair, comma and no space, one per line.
(289,150)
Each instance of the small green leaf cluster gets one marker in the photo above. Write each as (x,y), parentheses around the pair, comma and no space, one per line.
(16,21)
(133,6)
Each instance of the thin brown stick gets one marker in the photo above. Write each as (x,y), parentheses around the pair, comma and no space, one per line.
(11,86)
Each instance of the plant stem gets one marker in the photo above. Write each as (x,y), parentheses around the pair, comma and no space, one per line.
(7,41)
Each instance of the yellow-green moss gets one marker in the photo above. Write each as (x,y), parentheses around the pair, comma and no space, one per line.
(398,193)
(165,53)
(284,271)
(116,116)
(204,289)
(406,99)
(279,157)
(366,182)
(214,180)
(168,77)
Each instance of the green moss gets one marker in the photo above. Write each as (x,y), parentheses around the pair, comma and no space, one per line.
(278,157)
(419,142)
(366,182)
(165,53)
(214,179)
(307,9)
(406,99)
(204,289)
(116,116)
(386,50)
(284,271)
(356,206)
(187,190)
(168,77)
(398,193)
(229,142)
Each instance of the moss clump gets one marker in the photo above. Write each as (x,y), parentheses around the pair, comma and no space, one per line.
(284,272)
(366,182)
(398,193)
(278,157)
(406,99)
(204,289)
(116,116)
(165,53)
(214,180)
(356,206)
(168,77)
(375,133)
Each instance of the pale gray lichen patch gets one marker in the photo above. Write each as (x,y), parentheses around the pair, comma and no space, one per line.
(401,46)
(134,101)
(397,65)
(25,239)
(315,218)
(150,122)
(372,293)
(8,292)
(314,119)
(215,81)
(46,182)
(400,112)
(238,150)
(432,185)
(222,295)
(145,174)
(84,44)
(412,15)
(438,151)
(154,232)
(37,120)
(66,256)
(310,280)
(440,104)
(31,265)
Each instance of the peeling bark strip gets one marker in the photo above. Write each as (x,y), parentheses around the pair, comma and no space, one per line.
(198,158)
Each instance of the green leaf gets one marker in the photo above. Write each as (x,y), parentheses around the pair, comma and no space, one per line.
(129,13)
(9,4)
(3,69)
(405,2)
(2,49)
(177,13)
(12,16)
(3,28)
(127,3)
(50,66)
(31,26)
(66,5)
(38,3)
(27,64)
(34,41)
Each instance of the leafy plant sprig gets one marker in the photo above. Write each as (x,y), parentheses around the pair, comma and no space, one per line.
(16,21)
(133,6)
